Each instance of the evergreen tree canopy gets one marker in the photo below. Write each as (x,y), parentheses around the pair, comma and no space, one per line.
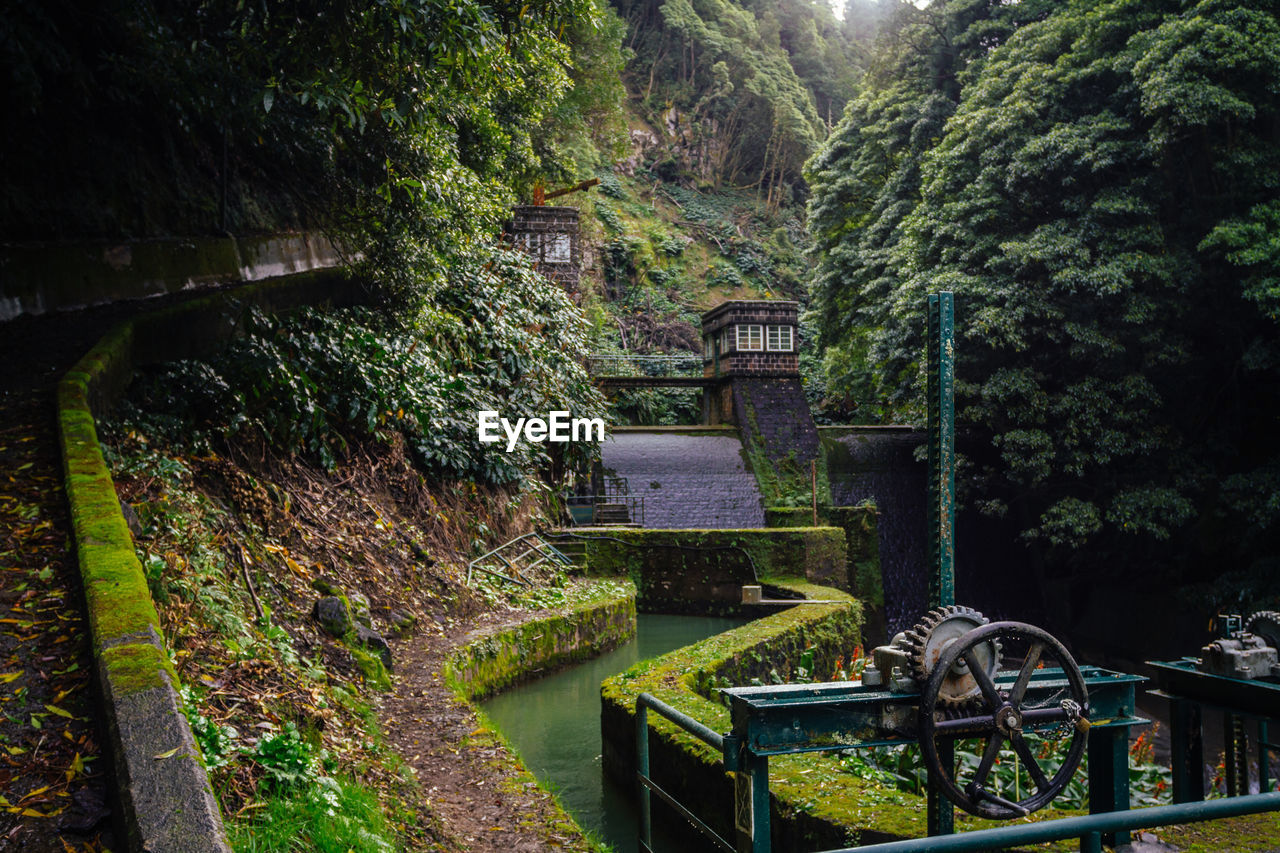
(1096,181)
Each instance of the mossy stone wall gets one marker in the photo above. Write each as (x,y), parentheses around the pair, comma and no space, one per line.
(687,678)
(490,662)
(703,571)
(862,575)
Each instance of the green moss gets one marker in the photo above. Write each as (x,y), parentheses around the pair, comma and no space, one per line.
(1239,834)
(862,548)
(133,667)
(371,667)
(490,663)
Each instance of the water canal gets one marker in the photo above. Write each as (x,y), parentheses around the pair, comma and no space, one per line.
(554,723)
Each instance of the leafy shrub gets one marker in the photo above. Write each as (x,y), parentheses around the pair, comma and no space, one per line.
(218,744)
(611,186)
(498,337)
(286,759)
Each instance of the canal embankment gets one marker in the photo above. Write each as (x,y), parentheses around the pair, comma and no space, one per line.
(482,796)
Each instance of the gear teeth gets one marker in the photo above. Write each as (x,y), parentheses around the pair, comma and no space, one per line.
(916,639)
(1266,624)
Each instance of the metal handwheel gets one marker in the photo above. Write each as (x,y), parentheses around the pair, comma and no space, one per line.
(1002,715)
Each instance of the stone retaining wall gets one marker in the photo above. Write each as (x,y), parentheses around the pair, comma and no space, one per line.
(58,277)
(164,804)
(703,571)
(496,659)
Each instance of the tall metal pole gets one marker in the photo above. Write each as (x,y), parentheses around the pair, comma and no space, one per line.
(942,450)
(942,499)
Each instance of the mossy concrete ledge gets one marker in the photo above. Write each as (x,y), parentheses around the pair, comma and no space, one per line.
(490,661)
(164,801)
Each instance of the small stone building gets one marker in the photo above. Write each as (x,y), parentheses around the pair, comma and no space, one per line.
(751,338)
(552,236)
(751,362)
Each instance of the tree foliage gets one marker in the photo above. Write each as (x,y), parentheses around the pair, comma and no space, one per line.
(135,117)
(1096,182)
(751,81)
(498,337)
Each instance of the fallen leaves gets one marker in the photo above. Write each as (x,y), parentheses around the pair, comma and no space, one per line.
(49,742)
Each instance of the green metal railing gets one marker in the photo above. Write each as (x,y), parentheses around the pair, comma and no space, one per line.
(1090,829)
(644,365)
(644,702)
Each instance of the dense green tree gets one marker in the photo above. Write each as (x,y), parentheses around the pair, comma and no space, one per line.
(1096,182)
(138,117)
(752,82)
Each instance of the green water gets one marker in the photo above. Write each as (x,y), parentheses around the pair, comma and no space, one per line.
(554,723)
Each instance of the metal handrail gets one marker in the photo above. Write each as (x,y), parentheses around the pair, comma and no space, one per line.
(1088,828)
(544,549)
(634,503)
(644,702)
(631,364)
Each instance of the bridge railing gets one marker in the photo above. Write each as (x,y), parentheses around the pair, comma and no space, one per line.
(644,365)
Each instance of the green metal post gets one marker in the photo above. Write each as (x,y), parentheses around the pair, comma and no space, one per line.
(1231,755)
(941,815)
(1109,776)
(942,450)
(1264,758)
(941,509)
(642,769)
(1186,746)
(761,841)
(1091,843)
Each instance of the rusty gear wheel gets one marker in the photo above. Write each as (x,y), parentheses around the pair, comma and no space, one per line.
(1265,624)
(932,634)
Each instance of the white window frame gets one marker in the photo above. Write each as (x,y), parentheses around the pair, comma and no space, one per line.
(776,336)
(557,248)
(749,337)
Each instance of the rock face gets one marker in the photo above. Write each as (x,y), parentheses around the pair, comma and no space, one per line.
(349,617)
(374,641)
(332,614)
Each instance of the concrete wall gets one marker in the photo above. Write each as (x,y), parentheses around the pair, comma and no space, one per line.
(688,478)
(57,277)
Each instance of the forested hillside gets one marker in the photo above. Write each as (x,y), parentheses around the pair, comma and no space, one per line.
(1097,182)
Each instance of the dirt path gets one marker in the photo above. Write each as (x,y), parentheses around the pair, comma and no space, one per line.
(467,774)
(53,778)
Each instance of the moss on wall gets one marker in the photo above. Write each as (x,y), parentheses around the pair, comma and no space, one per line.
(862,547)
(488,663)
(701,571)
(132,665)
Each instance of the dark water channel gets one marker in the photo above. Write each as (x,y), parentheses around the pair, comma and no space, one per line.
(554,723)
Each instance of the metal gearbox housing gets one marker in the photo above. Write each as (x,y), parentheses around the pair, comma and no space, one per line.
(1248,652)
(909,660)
